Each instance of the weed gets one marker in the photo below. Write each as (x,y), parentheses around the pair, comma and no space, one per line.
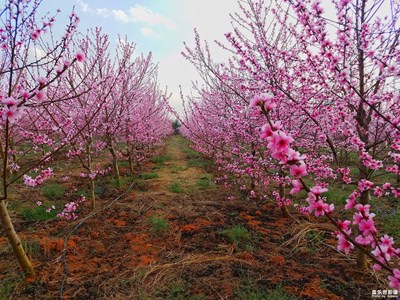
(176,169)
(250,291)
(53,191)
(100,190)
(32,248)
(176,292)
(122,183)
(38,213)
(204,182)
(123,164)
(237,234)
(160,160)
(140,184)
(175,188)
(158,224)
(147,176)
(391,223)
(199,163)
(315,236)
(7,286)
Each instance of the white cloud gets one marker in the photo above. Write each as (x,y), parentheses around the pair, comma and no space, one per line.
(147,31)
(85,7)
(141,14)
(104,12)
(120,16)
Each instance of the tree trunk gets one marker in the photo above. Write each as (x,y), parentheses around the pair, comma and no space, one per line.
(15,242)
(92,189)
(130,164)
(115,165)
(91,180)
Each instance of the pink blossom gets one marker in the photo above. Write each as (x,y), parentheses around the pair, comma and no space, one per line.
(364,240)
(394,280)
(294,156)
(9,101)
(317,190)
(42,81)
(367,226)
(266,131)
(297,186)
(40,96)
(12,113)
(344,245)
(344,225)
(280,142)
(298,170)
(80,56)
(320,208)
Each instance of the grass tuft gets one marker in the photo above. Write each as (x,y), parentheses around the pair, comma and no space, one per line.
(38,213)
(158,224)
(175,188)
(147,176)
(237,234)
(53,191)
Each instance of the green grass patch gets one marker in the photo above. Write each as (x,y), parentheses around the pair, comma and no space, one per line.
(158,224)
(123,164)
(7,286)
(160,160)
(176,169)
(122,183)
(147,176)
(250,291)
(199,163)
(238,235)
(391,223)
(338,195)
(175,188)
(37,213)
(53,191)
(205,182)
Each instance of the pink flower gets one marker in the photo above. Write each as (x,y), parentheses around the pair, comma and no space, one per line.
(42,81)
(298,170)
(266,131)
(35,33)
(387,240)
(320,208)
(344,245)
(344,225)
(12,113)
(9,101)
(364,240)
(367,226)
(317,190)
(279,142)
(297,186)
(394,281)
(80,56)
(40,96)
(294,156)
(263,99)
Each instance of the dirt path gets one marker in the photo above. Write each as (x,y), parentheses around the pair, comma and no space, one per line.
(177,236)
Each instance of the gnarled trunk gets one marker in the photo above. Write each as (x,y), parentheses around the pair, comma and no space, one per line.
(15,241)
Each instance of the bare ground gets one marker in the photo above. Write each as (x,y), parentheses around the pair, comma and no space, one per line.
(118,253)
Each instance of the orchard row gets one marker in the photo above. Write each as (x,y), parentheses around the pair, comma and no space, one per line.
(70,98)
(308,105)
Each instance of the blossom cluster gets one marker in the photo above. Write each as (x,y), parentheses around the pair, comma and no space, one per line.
(69,211)
(39,179)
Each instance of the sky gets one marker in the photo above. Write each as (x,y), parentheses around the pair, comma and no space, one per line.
(157,26)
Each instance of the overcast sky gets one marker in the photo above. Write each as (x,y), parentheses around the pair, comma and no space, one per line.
(159,26)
